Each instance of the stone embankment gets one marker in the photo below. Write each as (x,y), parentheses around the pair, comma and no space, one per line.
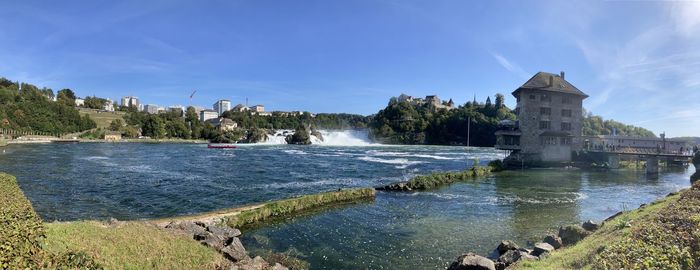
(224,240)
(508,252)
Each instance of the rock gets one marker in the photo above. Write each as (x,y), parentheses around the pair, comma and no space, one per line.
(225,233)
(613,216)
(572,234)
(256,263)
(278,266)
(317,134)
(235,251)
(510,257)
(198,232)
(542,248)
(506,246)
(500,266)
(213,241)
(590,225)
(528,257)
(553,240)
(402,186)
(471,261)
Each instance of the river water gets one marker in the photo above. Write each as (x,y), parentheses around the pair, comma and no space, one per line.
(421,230)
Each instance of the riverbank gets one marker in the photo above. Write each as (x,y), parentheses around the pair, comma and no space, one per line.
(659,235)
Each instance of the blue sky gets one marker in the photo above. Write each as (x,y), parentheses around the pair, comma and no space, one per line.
(638,60)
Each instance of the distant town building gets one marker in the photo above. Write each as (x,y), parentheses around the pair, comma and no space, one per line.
(150,108)
(207,114)
(549,111)
(140,107)
(223,124)
(113,136)
(222,105)
(108,106)
(79,102)
(130,101)
(240,108)
(258,108)
(161,109)
(179,109)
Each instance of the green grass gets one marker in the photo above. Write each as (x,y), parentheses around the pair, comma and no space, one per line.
(434,180)
(103,119)
(130,245)
(288,207)
(663,235)
(20,227)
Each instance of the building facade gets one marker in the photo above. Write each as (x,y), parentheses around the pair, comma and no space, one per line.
(550,113)
(130,101)
(222,105)
(150,108)
(205,115)
(258,108)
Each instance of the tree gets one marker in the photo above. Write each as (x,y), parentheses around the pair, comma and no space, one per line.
(95,102)
(116,125)
(66,97)
(499,101)
(154,127)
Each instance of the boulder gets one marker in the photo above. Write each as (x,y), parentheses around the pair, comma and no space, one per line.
(572,234)
(471,261)
(198,232)
(278,266)
(506,245)
(235,251)
(225,233)
(500,266)
(212,241)
(590,226)
(542,248)
(553,240)
(256,263)
(613,216)
(528,257)
(510,257)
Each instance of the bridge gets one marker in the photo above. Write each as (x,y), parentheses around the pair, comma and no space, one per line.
(651,155)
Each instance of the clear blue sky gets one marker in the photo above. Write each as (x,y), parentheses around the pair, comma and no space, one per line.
(638,60)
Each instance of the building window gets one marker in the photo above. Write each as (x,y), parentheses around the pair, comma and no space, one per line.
(544,125)
(517,98)
(565,126)
(532,97)
(545,111)
(566,113)
(566,100)
(517,111)
(546,97)
(565,141)
(549,141)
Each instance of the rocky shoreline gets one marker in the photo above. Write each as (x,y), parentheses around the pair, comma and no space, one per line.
(508,252)
(225,240)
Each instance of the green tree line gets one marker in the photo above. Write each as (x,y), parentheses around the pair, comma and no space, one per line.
(25,107)
(412,123)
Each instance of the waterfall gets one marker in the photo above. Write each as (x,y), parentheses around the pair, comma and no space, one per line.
(330,137)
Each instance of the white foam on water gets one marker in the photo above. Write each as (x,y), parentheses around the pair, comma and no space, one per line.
(295,152)
(401,163)
(404,154)
(343,138)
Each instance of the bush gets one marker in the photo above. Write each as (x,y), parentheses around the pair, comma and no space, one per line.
(21,227)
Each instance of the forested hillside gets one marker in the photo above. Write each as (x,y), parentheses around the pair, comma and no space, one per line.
(596,125)
(25,107)
(411,123)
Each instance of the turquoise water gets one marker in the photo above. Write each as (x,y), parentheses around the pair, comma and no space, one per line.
(421,230)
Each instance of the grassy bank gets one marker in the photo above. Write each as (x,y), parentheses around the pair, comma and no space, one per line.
(434,180)
(130,245)
(287,207)
(662,235)
(103,119)
(28,243)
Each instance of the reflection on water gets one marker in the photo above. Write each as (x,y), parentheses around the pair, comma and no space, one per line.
(422,230)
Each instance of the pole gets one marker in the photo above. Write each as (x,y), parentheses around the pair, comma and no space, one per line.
(469,125)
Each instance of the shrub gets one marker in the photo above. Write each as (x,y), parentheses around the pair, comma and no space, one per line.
(21,227)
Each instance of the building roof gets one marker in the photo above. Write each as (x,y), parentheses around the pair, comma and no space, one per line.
(550,82)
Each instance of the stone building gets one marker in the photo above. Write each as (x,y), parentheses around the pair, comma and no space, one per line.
(548,129)
(113,136)
(222,105)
